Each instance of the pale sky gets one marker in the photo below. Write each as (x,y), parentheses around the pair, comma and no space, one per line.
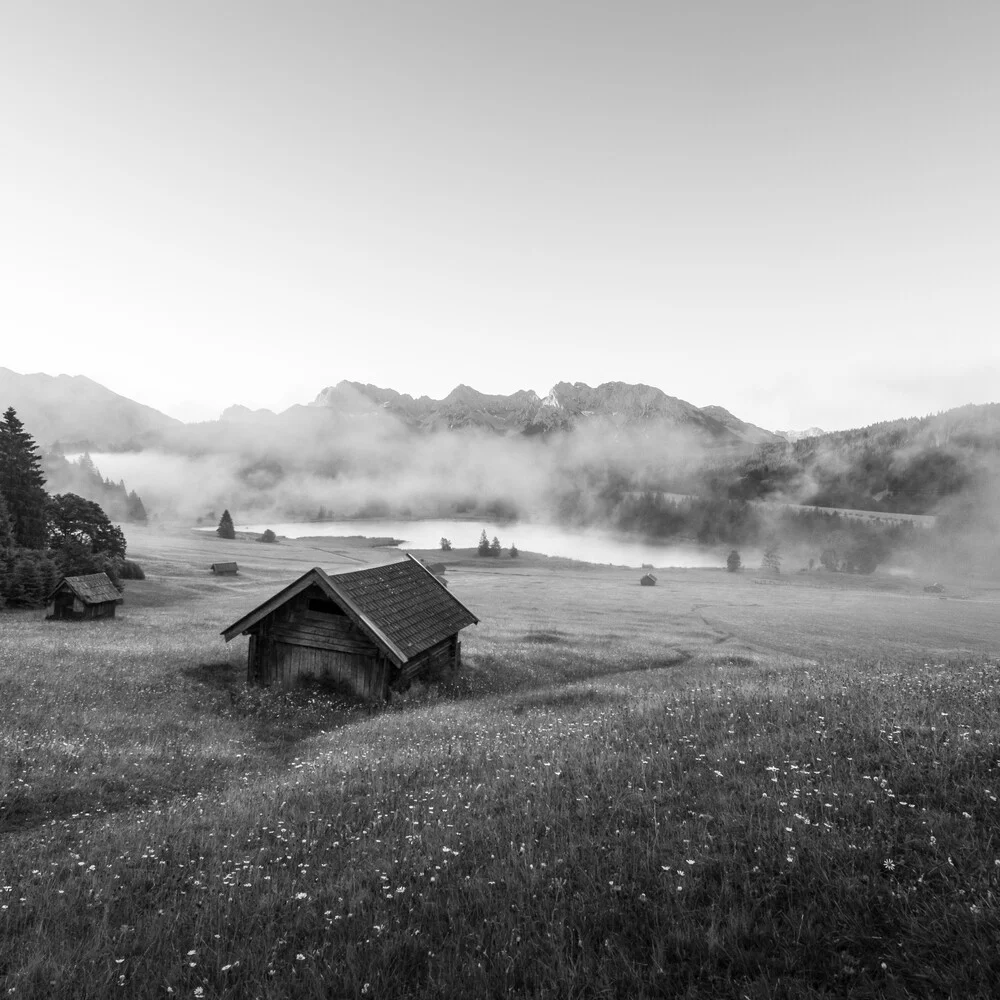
(790,209)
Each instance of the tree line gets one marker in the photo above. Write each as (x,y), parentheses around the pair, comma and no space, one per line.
(842,543)
(84,478)
(44,537)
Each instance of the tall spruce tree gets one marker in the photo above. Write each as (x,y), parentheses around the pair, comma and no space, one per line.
(22,482)
(6,529)
(136,509)
(226,528)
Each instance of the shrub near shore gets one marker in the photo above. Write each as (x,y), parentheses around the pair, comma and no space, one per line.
(716,828)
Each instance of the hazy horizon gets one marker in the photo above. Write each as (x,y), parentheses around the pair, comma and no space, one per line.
(789,210)
(541,393)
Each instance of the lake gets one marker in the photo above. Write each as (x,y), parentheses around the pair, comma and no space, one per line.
(587,545)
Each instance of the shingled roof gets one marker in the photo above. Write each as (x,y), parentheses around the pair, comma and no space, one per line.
(402,606)
(94,588)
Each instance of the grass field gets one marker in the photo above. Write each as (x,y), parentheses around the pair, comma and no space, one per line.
(722,786)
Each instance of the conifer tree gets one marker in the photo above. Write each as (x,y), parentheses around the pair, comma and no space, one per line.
(226,528)
(31,582)
(22,482)
(6,529)
(136,510)
(13,584)
(484,544)
(772,558)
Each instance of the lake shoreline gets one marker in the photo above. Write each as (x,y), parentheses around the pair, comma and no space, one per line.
(596,546)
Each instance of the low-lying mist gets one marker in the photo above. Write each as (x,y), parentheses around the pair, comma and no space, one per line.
(311,463)
(290,467)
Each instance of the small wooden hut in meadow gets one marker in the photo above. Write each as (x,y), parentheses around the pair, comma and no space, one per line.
(79,597)
(371,629)
(648,581)
(225,569)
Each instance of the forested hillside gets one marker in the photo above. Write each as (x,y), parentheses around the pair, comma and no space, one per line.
(43,537)
(84,478)
(910,466)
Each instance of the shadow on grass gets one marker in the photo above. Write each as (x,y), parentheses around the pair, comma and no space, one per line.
(733,660)
(278,719)
(547,638)
(182,760)
(572,698)
(100,794)
(491,674)
(220,675)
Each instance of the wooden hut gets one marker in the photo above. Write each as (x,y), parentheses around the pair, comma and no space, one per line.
(648,580)
(79,597)
(370,629)
(225,569)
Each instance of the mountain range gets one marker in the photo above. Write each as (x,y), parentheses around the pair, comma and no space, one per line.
(79,413)
(567,405)
(354,445)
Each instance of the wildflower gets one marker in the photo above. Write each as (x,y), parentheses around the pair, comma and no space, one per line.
(889,865)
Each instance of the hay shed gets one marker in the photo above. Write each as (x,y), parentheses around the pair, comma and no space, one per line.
(76,598)
(371,629)
(648,581)
(225,569)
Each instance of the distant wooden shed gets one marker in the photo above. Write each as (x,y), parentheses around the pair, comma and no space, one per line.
(648,580)
(225,569)
(371,629)
(81,597)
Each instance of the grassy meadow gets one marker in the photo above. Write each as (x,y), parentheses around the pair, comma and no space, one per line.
(721,786)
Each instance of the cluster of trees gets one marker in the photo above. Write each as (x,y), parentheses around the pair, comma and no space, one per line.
(43,537)
(490,548)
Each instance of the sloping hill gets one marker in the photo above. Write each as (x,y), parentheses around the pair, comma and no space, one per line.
(748,432)
(79,413)
(912,465)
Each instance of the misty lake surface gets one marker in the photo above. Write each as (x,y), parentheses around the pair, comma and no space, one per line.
(551,540)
